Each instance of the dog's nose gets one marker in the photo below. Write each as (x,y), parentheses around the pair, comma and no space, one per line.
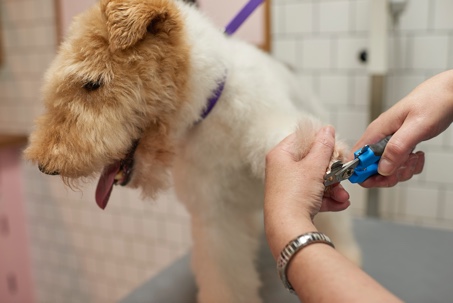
(43,170)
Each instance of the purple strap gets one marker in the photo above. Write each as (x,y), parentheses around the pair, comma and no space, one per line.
(230,29)
(214,98)
(240,18)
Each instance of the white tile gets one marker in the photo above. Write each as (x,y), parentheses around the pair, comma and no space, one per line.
(10,39)
(398,86)
(118,247)
(285,51)
(437,167)
(141,252)
(449,136)
(277,19)
(421,202)
(298,18)
(443,14)
(361,90)
(391,201)
(430,52)
(415,16)
(28,11)
(315,54)
(437,141)
(159,207)
(44,9)
(351,124)
(450,51)
(307,81)
(334,89)
(362,15)
(165,255)
(347,53)
(43,35)
(334,16)
(153,229)
(13,10)
(398,52)
(128,225)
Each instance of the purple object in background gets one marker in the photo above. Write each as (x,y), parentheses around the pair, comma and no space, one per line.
(245,12)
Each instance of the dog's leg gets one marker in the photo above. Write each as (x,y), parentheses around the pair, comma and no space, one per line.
(224,251)
(339,228)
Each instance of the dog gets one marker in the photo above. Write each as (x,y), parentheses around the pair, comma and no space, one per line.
(149,94)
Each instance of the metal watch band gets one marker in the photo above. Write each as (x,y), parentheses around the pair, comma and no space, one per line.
(292,248)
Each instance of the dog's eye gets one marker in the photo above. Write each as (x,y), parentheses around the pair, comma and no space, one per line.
(92,86)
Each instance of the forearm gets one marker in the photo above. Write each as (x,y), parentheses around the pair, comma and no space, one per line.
(319,273)
(340,280)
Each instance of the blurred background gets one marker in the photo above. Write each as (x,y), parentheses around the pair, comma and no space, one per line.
(56,245)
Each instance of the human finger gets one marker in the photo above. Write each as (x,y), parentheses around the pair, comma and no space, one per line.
(420,162)
(337,193)
(335,198)
(414,165)
(406,171)
(322,149)
(282,151)
(398,149)
(386,124)
(328,204)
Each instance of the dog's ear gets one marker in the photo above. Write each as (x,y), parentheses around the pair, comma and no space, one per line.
(129,21)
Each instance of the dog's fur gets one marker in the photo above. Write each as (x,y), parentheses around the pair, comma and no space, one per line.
(157,62)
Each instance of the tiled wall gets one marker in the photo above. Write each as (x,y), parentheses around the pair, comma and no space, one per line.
(322,40)
(83,254)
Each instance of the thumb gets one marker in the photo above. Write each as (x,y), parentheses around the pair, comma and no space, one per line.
(283,151)
(398,149)
(323,147)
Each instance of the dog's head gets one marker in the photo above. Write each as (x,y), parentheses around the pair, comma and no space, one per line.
(112,92)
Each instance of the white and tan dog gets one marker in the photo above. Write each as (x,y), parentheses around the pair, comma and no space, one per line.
(130,95)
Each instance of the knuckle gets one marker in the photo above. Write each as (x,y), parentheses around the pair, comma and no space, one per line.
(397,151)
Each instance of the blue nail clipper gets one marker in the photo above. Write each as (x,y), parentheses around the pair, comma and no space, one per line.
(364,165)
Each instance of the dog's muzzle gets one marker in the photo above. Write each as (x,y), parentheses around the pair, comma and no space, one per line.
(51,173)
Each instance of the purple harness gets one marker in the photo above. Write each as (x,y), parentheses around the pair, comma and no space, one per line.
(230,29)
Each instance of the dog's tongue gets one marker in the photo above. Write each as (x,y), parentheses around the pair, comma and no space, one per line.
(105,184)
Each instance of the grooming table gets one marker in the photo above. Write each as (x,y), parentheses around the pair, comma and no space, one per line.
(415,263)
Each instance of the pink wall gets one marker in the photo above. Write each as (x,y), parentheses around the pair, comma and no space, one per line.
(16,285)
(70,8)
(222,12)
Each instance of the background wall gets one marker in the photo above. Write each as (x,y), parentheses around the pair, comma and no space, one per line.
(83,254)
(322,40)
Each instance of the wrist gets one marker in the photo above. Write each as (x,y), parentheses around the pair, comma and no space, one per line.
(279,235)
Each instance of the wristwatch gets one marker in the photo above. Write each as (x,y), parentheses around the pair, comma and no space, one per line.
(292,248)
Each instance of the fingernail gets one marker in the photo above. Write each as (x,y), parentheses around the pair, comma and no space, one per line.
(329,130)
(339,189)
(412,163)
(385,167)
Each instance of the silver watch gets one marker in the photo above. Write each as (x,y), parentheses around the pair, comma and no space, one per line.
(294,246)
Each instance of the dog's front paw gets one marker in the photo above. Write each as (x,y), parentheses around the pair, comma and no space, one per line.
(340,152)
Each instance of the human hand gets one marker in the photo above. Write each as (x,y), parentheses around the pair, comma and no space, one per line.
(297,187)
(423,114)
